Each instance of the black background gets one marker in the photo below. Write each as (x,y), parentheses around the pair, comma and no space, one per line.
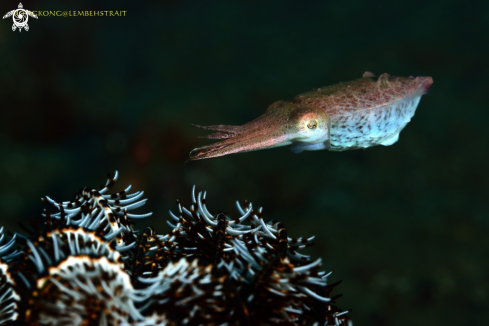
(405,227)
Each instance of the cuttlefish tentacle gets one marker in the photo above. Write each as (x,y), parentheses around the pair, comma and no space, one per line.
(284,123)
(223,131)
(358,114)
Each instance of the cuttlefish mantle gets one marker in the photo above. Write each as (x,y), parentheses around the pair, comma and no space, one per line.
(362,113)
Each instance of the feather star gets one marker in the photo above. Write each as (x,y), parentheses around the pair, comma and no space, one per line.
(358,114)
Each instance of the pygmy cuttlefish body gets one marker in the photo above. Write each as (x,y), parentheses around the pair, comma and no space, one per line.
(362,113)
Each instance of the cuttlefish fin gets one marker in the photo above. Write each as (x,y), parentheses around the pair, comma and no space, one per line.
(223,131)
(297,148)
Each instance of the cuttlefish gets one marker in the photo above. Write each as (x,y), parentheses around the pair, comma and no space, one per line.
(362,113)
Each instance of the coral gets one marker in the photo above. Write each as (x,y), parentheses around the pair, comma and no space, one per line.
(85,264)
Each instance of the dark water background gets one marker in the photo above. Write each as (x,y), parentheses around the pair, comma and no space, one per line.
(405,227)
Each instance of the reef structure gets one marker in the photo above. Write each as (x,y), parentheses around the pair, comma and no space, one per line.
(85,264)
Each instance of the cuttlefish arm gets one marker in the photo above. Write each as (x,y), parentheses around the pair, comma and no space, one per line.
(284,123)
(362,113)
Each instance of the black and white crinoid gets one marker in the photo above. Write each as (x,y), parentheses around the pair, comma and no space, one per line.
(86,265)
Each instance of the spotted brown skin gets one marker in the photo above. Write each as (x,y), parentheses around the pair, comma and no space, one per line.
(362,113)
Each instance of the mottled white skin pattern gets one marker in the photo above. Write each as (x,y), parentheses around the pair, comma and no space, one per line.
(377,126)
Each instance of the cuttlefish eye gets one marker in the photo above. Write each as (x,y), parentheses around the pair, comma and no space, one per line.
(312,130)
(312,124)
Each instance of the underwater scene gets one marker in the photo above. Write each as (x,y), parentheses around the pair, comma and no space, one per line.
(244,163)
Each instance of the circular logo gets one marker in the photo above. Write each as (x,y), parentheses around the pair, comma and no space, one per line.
(20,18)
